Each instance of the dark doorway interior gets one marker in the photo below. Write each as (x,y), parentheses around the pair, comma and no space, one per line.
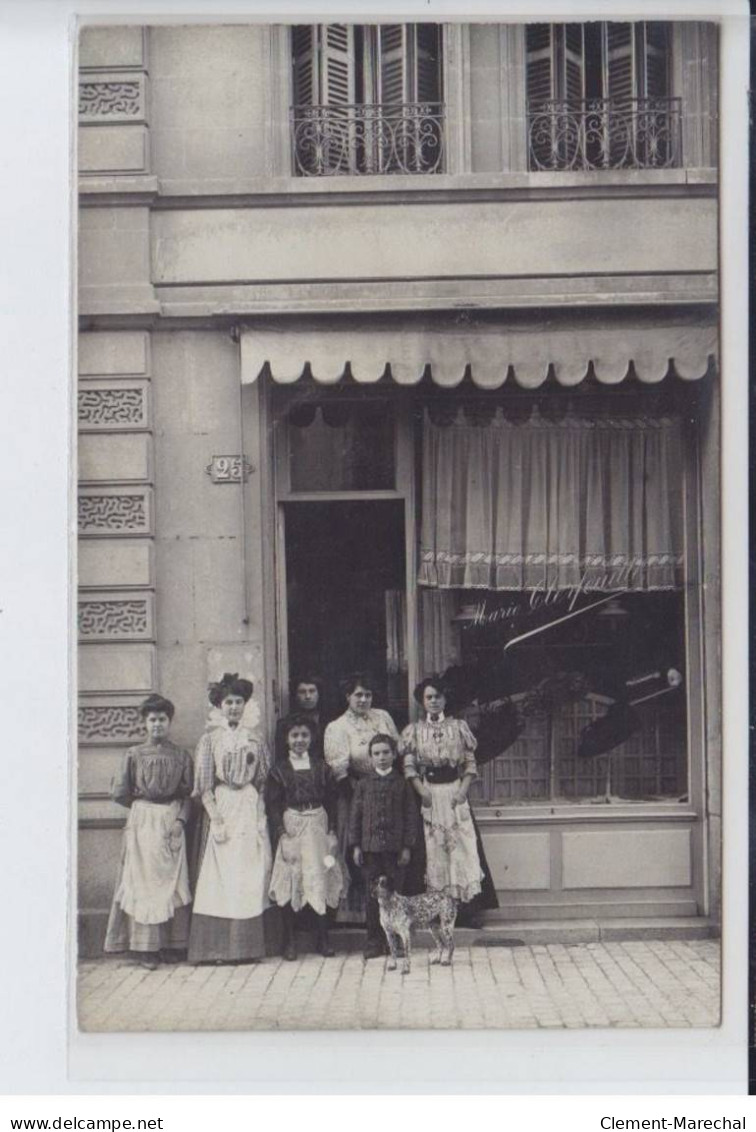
(345,566)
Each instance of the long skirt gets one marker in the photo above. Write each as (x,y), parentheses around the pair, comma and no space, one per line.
(150,907)
(452,861)
(306,869)
(231,906)
(352,904)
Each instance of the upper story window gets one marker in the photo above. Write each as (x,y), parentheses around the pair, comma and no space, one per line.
(599,97)
(367,99)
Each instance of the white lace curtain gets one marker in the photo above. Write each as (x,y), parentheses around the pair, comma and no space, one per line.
(578,502)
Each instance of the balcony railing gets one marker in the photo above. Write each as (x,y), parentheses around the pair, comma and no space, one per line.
(639,133)
(368,139)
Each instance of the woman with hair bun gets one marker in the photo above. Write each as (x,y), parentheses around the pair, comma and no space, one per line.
(231,901)
(439,761)
(346,745)
(149,916)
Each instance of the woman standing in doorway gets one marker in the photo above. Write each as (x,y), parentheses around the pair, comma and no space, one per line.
(346,745)
(306,702)
(439,761)
(231,901)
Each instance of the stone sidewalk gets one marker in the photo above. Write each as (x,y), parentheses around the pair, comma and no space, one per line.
(663,983)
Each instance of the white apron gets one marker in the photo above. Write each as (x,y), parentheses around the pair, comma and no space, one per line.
(306,868)
(234,874)
(453,865)
(155,878)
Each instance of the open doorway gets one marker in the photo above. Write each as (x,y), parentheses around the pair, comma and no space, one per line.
(346,596)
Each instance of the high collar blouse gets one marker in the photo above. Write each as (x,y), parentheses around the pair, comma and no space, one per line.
(448,742)
(346,740)
(159,772)
(230,756)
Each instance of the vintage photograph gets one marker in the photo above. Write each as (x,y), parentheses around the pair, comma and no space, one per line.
(398,526)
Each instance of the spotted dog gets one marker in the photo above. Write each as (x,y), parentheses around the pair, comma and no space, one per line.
(400,914)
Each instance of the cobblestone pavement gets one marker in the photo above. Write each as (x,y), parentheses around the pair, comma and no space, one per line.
(619,984)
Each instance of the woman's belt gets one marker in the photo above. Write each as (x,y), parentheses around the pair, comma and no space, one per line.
(440,774)
(304,807)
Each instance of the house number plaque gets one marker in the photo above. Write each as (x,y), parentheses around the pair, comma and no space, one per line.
(228,469)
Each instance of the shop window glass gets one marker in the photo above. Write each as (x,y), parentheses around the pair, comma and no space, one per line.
(342,446)
(535,706)
(551,593)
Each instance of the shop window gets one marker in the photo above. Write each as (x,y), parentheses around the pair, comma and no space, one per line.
(552,595)
(599,97)
(337,445)
(367,99)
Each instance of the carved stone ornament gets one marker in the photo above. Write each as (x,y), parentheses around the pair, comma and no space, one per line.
(113,514)
(113,100)
(124,619)
(110,723)
(103,408)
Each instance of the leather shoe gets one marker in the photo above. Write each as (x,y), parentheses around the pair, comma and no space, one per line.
(373,950)
(324,946)
(290,951)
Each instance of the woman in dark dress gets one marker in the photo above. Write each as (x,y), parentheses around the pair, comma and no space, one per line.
(306,702)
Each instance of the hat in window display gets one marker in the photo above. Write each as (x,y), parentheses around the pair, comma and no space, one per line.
(603,735)
(499,726)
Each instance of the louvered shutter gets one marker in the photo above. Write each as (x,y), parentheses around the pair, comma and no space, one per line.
(540,89)
(305,63)
(394,65)
(324,80)
(337,64)
(621,88)
(572,78)
(427,78)
(539,49)
(654,60)
(620,68)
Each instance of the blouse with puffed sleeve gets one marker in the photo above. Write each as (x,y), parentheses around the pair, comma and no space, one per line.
(160,772)
(446,743)
(347,739)
(230,756)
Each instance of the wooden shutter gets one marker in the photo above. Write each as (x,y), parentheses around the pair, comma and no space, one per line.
(539,52)
(653,60)
(337,64)
(393,67)
(427,59)
(621,87)
(324,65)
(305,62)
(620,78)
(571,84)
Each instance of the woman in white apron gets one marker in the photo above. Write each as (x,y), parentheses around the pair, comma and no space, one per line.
(150,912)
(231,902)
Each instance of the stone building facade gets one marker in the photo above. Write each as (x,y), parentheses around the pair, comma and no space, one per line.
(382,232)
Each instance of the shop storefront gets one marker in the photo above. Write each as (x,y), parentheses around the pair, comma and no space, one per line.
(523,512)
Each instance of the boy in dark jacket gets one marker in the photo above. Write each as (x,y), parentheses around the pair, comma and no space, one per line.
(382,831)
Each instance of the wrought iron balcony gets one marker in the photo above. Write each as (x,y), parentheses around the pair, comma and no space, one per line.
(638,133)
(368,139)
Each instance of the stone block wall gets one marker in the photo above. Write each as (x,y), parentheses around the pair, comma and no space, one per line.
(116,596)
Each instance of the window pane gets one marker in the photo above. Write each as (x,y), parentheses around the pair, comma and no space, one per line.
(577,709)
(343,447)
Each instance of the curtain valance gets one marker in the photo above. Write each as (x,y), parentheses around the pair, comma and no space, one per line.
(555,505)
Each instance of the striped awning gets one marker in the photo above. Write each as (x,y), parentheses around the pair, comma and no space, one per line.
(491,354)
